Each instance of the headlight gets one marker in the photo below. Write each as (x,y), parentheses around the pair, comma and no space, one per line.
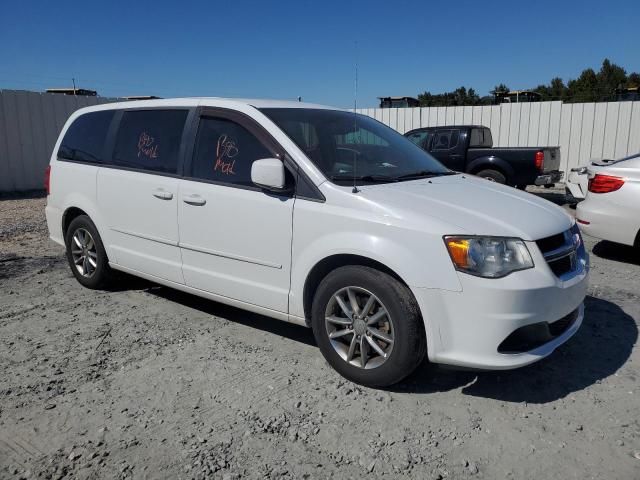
(490,257)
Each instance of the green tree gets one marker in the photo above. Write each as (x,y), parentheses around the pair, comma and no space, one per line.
(557,89)
(584,88)
(633,80)
(610,77)
(500,88)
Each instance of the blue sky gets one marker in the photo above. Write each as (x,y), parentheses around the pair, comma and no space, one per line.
(308,48)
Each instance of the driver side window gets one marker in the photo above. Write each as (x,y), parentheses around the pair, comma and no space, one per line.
(225,152)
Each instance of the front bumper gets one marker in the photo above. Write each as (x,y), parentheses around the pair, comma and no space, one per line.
(549,178)
(469,327)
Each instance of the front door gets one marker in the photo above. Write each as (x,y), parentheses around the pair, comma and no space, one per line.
(235,239)
(445,146)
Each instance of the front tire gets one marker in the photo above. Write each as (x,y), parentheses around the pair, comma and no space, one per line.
(86,254)
(368,326)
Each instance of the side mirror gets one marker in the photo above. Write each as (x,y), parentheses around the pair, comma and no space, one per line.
(268,173)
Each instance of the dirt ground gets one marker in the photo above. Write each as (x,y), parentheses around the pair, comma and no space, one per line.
(146,382)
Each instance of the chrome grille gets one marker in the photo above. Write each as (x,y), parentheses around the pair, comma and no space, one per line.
(564,252)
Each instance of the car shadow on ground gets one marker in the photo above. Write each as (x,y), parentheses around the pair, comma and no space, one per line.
(617,252)
(601,346)
(291,331)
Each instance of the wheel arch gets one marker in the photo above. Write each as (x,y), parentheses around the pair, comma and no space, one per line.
(69,215)
(325,266)
(491,163)
(80,206)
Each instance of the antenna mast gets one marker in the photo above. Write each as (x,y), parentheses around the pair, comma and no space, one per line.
(355,118)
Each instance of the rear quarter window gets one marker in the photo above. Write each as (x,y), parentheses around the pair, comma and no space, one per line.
(85,138)
(480,138)
(150,140)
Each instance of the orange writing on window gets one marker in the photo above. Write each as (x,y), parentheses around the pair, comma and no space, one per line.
(226,150)
(147,146)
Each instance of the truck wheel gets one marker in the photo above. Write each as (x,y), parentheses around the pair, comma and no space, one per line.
(492,176)
(86,254)
(368,326)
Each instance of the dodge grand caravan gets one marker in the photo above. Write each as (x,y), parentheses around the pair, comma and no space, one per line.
(323,218)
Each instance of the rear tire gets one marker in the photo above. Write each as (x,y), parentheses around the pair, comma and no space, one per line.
(86,254)
(493,176)
(392,326)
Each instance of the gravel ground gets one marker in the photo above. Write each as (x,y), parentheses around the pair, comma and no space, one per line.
(145,382)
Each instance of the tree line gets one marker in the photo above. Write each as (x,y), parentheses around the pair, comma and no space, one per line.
(590,86)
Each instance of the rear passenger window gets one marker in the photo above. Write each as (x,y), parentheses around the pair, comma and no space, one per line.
(150,140)
(446,139)
(84,140)
(225,152)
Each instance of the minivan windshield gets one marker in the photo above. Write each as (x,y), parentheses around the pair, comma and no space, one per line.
(350,147)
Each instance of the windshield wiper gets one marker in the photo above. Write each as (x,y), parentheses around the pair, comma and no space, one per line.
(423,174)
(363,178)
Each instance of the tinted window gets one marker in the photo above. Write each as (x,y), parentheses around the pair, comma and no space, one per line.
(350,144)
(445,139)
(84,140)
(225,152)
(419,138)
(150,140)
(480,137)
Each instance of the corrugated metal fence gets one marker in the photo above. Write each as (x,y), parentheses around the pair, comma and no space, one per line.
(29,126)
(30,123)
(582,130)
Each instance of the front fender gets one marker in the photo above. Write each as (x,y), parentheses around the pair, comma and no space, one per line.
(431,270)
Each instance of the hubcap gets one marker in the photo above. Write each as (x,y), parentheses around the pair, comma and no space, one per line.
(360,328)
(84,253)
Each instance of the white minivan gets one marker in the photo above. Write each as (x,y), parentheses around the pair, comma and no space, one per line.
(320,217)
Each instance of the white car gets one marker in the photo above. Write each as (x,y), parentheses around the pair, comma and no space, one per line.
(611,210)
(578,180)
(320,217)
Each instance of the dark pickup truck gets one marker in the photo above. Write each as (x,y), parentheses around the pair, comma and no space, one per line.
(469,148)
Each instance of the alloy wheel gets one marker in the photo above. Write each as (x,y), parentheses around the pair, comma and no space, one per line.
(359,327)
(84,253)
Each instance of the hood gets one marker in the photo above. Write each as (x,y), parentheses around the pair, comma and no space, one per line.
(475,206)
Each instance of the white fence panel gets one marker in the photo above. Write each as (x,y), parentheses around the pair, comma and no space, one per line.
(534,125)
(634,130)
(622,132)
(610,130)
(586,138)
(599,122)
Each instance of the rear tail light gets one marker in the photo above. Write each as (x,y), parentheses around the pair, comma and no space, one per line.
(605,183)
(47,179)
(540,160)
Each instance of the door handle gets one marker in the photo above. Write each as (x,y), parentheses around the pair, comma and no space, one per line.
(162,195)
(195,200)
